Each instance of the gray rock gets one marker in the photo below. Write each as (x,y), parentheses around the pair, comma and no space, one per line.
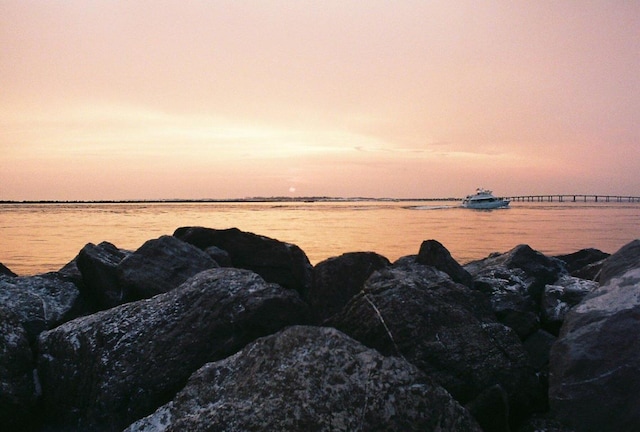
(560,297)
(18,393)
(98,265)
(446,329)
(585,263)
(40,302)
(283,263)
(628,257)
(309,379)
(594,381)
(104,371)
(337,279)
(433,253)
(160,265)
(514,282)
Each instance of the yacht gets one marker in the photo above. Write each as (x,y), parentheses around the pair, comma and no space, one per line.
(484,199)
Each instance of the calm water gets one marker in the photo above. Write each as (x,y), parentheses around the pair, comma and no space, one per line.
(35,238)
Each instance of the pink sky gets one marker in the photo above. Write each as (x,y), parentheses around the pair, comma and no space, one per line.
(221,99)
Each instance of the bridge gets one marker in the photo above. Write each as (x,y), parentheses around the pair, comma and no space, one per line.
(574,198)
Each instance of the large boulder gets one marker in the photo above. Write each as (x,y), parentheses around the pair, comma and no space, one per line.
(160,265)
(104,371)
(40,302)
(628,257)
(514,282)
(594,381)
(434,254)
(448,331)
(18,393)
(309,379)
(283,263)
(337,279)
(98,265)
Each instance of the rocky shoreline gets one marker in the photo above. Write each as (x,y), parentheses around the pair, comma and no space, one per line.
(212,329)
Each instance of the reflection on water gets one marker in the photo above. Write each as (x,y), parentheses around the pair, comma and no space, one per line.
(44,237)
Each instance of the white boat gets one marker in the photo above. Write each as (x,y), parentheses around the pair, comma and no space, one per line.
(484,199)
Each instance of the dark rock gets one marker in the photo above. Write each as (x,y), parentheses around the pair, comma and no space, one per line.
(538,347)
(309,379)
(104,371)
(594,380)
(275,261)
(445,329)
(560,297)
(434,254)
(543,423)
(40,302)
(514,282)
(4,270)
(337,279)
(628,257)
(491,409)
(98,265)
(18,393)
(577,262)
(161,265)
(220,256)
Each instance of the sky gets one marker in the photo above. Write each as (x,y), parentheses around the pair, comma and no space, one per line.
(108,99)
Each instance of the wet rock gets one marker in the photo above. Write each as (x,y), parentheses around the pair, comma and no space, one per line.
(628,257)
(585,263)
(434,254)
(514,282)
(98,265)
(560,297)
(4,270)
(18,392)
(275,261)
(104,371)
(446,330)
(160,265)
(594,381)
(337,279)
(309,379)
(40,302)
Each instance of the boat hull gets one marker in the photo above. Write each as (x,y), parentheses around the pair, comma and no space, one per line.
(486,205)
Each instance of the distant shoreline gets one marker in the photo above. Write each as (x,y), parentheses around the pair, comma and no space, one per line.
(228,200)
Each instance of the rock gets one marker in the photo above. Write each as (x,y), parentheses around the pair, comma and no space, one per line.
(446,330)
(514,282)
(220,256)
(558,298)
(275,261)
(538,347)
(309,379)
(40,302)
(18,394)
(628,257)
(577,262)
(4,270)
(104,371)
(434,254)
(98,265)
(161,265)
(594,380)
(337,279)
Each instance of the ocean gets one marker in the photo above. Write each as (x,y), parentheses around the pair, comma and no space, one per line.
(37,238)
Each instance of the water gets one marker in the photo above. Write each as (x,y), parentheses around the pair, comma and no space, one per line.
(36,238)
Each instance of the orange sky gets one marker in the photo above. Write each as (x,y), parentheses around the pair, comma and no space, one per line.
(220,99)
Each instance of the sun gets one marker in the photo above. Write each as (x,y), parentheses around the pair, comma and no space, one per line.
(292,189)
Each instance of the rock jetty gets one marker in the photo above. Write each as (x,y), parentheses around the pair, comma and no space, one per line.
(220,329)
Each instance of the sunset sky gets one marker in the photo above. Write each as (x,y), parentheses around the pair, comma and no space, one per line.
(223,99)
